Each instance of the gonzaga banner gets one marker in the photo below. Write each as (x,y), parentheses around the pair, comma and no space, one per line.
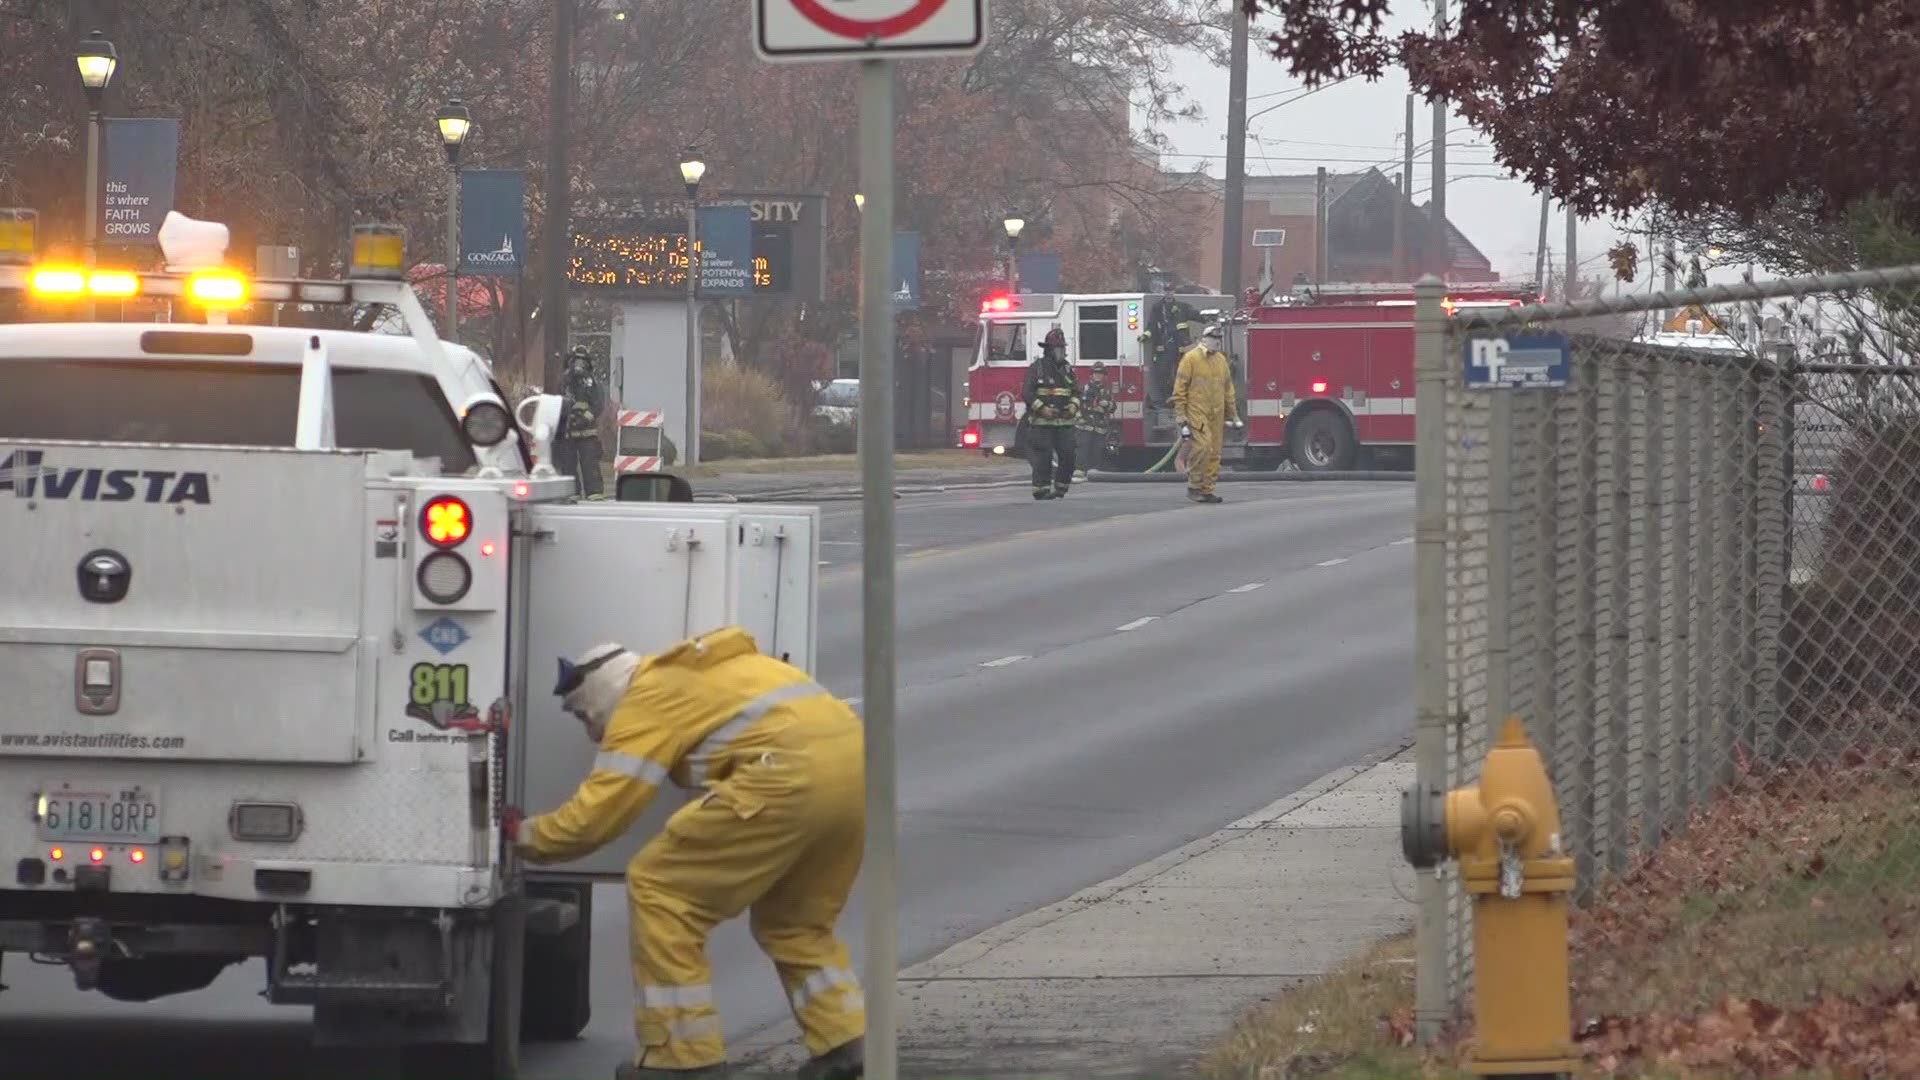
(493,221)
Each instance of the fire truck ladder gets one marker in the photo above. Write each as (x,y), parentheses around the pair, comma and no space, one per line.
(637,441)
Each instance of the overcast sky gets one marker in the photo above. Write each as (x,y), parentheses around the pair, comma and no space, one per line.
(1349,126)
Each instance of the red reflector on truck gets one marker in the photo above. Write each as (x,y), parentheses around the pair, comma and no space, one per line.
(446,521)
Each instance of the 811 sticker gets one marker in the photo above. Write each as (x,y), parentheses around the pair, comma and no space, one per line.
(437,694)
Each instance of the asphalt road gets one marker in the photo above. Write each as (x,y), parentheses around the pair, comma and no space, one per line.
(1084,685)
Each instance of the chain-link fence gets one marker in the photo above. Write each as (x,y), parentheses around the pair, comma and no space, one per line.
(1693,570)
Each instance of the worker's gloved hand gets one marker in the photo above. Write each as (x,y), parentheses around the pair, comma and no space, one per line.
(1186,431)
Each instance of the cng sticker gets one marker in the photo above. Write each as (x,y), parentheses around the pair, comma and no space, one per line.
(445,635)
(438,696)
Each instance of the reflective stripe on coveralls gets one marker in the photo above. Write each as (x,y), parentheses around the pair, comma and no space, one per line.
(700,762)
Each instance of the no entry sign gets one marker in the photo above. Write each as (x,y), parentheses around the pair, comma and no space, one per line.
(853,29)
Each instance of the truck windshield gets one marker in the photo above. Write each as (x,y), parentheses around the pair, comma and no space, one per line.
(1004,343)
(223,404)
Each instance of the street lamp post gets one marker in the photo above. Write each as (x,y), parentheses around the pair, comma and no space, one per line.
(97,60)
(454,122)
(1013,226)
(691,170)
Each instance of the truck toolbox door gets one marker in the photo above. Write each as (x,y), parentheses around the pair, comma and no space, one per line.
(777,574)
(215,594)
(646,575)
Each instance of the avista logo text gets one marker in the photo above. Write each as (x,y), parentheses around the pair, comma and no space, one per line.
(27,475)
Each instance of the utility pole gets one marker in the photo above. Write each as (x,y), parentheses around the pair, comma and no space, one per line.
(1573,258)
(553,309)
(1400,228)
(1406,191)
(1232,224)
(1540,251)
(1443,250)
(1320,227)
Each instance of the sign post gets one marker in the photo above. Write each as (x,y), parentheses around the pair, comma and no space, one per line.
(875,32)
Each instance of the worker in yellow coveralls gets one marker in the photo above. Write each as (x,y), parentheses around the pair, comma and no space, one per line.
(1203,399)
(778,828)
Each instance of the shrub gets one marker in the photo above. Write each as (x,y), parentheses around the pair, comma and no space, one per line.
(832,436)
(736,398)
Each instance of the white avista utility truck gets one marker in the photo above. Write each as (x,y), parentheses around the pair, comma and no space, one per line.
(280,619)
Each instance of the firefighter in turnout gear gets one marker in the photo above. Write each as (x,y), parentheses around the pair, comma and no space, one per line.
(1203,397)
(1095,423)
(577,451)
(777,830)
(1053,405)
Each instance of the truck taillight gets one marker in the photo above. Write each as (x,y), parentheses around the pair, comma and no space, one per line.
(446,522)
(1319,386)
(970,437)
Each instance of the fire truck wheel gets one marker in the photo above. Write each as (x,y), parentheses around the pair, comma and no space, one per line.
(1321,441)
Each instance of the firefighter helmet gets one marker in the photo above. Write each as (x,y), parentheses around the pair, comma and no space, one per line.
(1055,336)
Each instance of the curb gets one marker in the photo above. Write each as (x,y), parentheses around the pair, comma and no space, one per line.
(1288,476)
(847,494)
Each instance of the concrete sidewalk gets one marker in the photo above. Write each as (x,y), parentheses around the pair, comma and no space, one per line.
(1137,976)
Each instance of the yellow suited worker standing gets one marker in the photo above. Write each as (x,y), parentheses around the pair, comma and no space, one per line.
(1203,398)
(778,830)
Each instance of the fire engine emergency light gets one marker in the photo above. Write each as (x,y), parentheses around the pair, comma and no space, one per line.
(379,251)
(17,236)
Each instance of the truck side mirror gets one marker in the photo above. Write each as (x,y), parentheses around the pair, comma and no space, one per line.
(652,487)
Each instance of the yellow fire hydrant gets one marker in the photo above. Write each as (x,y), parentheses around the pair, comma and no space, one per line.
(1505,832)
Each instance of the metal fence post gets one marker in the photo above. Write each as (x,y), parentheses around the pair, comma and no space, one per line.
(1729,402)
(1432,1004)
(1544,448)
(1620,473)
(1586,803)
(1499,560)
(1649,389)
(1706,705)
(1768,564)
(1680,692)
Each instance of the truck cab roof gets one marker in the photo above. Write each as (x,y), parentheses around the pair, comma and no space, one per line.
(238,385)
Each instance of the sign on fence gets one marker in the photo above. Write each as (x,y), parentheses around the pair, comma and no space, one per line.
(1521,361)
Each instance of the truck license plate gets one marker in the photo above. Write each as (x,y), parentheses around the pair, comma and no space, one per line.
(110,813)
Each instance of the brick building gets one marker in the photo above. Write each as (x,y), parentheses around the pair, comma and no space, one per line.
(1360,230)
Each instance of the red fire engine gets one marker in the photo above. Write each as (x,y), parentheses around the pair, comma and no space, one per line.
(1323,374)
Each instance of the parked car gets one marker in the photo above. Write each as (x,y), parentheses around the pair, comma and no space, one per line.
(839,400)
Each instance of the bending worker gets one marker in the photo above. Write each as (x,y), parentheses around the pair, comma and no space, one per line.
(778,830)
(1203,397)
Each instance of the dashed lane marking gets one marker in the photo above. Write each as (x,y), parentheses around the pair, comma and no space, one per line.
(1330,562)
(1137,623)
(1249,587)
(1402,542)
(1005,660)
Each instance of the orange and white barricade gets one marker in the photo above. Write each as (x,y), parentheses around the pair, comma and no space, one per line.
(637,441)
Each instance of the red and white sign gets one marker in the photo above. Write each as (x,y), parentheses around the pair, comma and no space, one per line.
(851,29)
(634,463)
(642,418)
